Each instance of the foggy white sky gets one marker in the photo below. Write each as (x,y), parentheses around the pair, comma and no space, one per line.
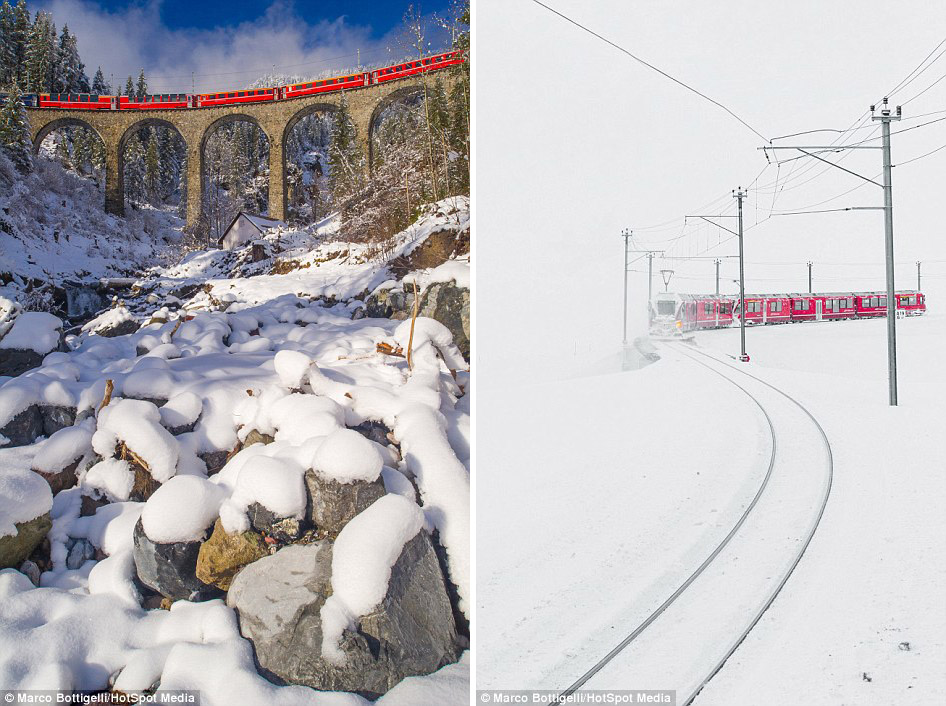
(575,141)
(125,41)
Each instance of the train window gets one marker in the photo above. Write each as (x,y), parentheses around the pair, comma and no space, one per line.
(776,306)
(883,301)
(707,308)
(850,303)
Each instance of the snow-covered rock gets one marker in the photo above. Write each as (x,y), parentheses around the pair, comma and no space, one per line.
(170,569)
(280,600)
(32,336)
(25,502)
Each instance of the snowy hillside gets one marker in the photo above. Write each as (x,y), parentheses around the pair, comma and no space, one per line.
(54,229)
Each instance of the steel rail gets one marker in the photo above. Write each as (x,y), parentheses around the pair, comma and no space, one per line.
(699,570)
(811,532)
(796,560)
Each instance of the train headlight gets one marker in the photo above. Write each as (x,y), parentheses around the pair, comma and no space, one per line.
(679,324)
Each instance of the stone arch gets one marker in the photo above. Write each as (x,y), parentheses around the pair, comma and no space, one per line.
(293,121)
(58,123)
(274,143)
(132,130)
(396,96)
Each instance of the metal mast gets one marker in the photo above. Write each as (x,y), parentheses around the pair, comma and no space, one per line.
(739,194)
(886,116)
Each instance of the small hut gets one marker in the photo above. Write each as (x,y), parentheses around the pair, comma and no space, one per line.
(245,228)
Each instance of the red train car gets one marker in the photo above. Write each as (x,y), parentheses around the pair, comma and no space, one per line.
(256,95)
(326,85)
(912,303)
(157,101)
(408,68)
(75,101)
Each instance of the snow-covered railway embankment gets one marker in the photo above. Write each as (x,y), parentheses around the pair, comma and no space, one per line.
(686,640)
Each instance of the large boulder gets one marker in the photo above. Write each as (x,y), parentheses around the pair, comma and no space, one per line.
(24,428)
(15,548)
(25,503)
(224,554)
(170,569)
(279,600)
(450,305)
(333,504)
(32,336)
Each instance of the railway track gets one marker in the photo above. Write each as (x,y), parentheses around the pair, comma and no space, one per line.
(687,639)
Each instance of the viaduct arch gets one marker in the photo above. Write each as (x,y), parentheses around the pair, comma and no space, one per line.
(195,125)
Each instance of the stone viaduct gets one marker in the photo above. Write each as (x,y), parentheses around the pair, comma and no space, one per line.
(195,125)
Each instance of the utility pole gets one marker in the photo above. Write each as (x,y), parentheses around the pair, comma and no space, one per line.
(809,276)
(650,278)
(717,274)
(739,194)
(626,235)
(886,116)
(918,288)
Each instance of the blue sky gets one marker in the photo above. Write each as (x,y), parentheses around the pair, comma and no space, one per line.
(380,16)
(228,46)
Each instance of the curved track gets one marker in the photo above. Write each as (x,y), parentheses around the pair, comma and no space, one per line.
(693,636)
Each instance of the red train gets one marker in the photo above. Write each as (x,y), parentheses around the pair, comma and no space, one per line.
(678,313)
(172,101)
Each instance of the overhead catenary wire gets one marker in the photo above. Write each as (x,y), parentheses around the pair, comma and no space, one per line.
(650,66)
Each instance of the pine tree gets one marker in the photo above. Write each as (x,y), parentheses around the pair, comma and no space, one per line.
(40,55)
(439,109)
(100,85)
(141,90)
(7,46)
(20,41)
(152,169)
(68,68)
(346,160)
(15,131)
(129,87)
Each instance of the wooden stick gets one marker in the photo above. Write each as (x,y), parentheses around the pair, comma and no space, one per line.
(109,387)
(410,339)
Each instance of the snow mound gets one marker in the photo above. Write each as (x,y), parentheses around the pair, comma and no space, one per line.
(275,483)
(182,509)
(181,410)
(346,456)
(34,331)
(298,417)
(62,448)
(112,476)
(138,424)
(108,319)
(291,367)
(366,549)
(23,496)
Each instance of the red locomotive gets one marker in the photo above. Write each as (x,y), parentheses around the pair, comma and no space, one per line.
(673,314)
(174,101)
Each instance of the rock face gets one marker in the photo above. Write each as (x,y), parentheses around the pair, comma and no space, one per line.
(170,569)
(122,329)
(66,478)
(16,361)
(223,555)
(284,529)
(445,302)
(56,418)
(14,550)
(333,504)
(279,599)
(24,427)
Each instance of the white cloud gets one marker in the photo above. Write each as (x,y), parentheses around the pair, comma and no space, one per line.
(125,41)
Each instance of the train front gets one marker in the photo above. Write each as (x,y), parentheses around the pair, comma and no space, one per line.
(665,316)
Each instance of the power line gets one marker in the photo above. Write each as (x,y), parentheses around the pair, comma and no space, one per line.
(903,83)
(650,66)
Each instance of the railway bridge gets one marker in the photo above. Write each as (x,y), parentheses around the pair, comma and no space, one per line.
(195,125)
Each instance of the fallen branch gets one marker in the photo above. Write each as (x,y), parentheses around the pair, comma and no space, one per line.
(126,452)
(410,339)
(109,387)
(388,349)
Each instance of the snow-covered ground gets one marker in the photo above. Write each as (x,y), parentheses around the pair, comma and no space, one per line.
(617,515)
(250,350)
